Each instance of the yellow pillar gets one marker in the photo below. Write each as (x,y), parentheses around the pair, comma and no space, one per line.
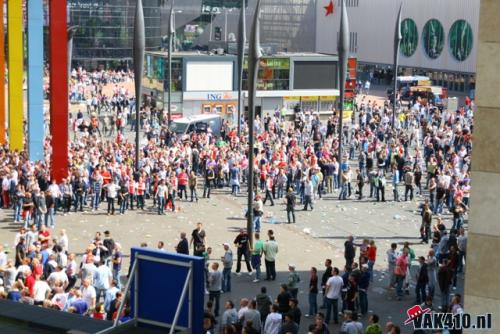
(15,63)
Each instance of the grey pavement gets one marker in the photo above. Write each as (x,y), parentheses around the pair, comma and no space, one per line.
(318,235)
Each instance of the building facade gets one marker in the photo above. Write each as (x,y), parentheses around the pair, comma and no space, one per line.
(105,32)
(208,84)
(439,37)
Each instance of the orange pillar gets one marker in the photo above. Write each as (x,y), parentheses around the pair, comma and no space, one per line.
(2,77)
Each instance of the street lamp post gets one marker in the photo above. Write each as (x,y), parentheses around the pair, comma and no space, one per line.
(343,51)
(171,30)
(254,56)
(139,46)
(397,40)
(241,59)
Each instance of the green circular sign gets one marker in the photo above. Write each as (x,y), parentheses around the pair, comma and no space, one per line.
(433,38)
(409,33)
(460,40)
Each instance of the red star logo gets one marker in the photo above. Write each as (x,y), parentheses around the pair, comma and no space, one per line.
(329,8)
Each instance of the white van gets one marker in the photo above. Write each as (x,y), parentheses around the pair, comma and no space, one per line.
(198,123)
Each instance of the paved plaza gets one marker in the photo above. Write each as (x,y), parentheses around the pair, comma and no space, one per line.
(317,235)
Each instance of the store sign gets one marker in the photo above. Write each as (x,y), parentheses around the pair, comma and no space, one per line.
(210,96)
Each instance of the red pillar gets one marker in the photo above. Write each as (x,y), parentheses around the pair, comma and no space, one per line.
(2,77)
(58,88)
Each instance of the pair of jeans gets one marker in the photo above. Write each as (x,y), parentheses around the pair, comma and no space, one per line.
(161,204)
(194,195)
(308,201)
(226,280)
(27,218)
(140,202)
(123,205)
(17,212)
(363,301)
(111,205)
(49,218)
(399,285)
(420,292)
(97,198)
(290,214)
(256,223)
(408,189)
(78,201)
(332,304)
(243,253)
(116,277)
(343,192)
(206,190)
(215,295)
(370,269)
(313,303)
(182,190)
(270,270)
(268,196)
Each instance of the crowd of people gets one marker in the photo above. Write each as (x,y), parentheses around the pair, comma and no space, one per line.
(426,153)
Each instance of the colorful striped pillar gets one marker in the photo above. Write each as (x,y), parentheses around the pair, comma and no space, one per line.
(16,62)
(2,78)
(36,131)
(58,88)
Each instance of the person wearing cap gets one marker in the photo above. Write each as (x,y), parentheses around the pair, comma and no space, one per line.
(293,281)
(227,262)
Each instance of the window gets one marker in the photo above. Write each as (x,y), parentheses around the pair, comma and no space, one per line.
(348,3)
(274,74)
(353,41)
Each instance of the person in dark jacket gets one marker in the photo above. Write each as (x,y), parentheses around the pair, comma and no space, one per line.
(264,303)
(183,245)
(349,251)
(283,300)
(326,275)
(444,280)
(289,326)
(290,205)
(422,281)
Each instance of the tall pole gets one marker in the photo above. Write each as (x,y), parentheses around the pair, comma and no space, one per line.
(139,46)
(71,33)
(171,30)
(397,42)
(242,30)
(343,51)
(58,25)
(254,56)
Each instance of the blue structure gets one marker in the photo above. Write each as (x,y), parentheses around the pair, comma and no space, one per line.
(36,130)
(176,304)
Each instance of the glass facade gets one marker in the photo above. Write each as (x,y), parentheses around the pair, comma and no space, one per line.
(274,74)
(106,29)
(156,73)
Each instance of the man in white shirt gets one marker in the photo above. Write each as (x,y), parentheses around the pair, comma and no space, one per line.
(333,294)
(274,321)
(102,279)
(88,294)
(58,276)
(40,290)
(3,258)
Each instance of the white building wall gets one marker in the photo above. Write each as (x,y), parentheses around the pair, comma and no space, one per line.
(374,22)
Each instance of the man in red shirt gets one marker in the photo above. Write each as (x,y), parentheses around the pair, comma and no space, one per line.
(400,272)
(44,236)
(182,182)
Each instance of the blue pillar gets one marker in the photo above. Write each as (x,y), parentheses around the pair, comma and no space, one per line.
(36,128)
